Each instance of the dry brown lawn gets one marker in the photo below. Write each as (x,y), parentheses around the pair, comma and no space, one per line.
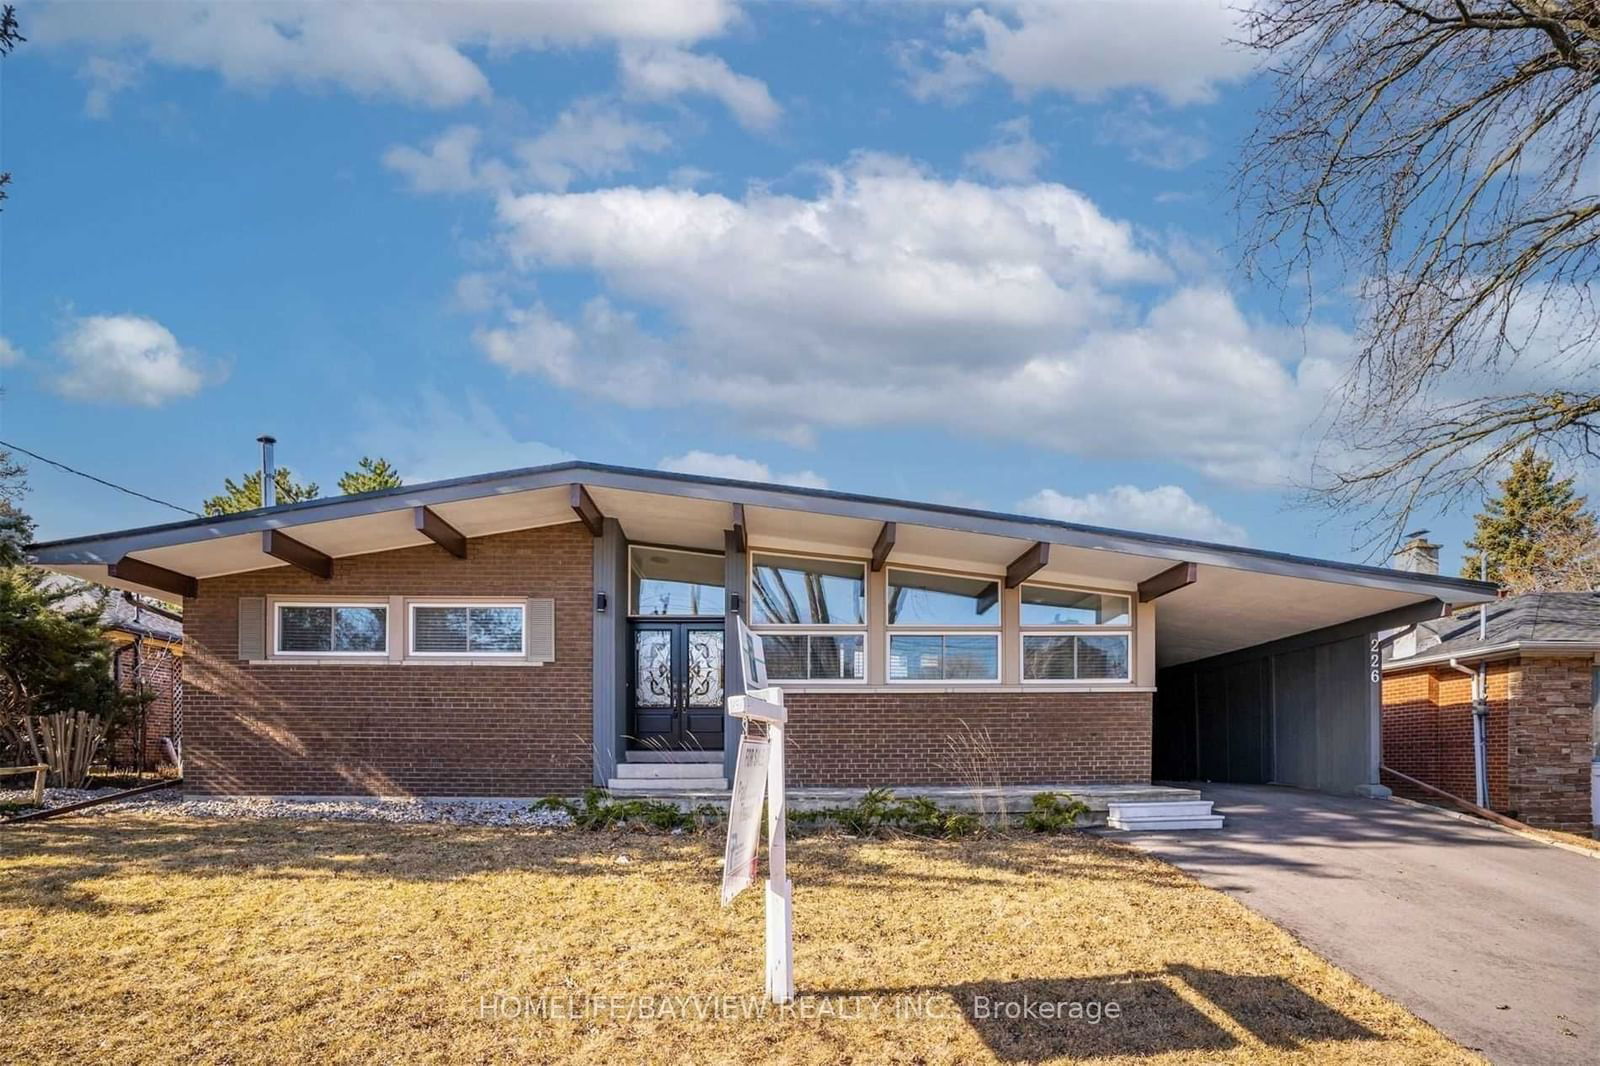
(130,939)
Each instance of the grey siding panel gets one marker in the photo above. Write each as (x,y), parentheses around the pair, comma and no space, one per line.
(1294,713)
(610,649)
(733,576)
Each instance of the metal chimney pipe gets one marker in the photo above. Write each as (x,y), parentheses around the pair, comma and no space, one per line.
(269,473)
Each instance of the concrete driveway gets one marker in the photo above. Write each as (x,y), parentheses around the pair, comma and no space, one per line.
(1492,938)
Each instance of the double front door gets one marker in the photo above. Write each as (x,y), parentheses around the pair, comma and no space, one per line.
(675,685)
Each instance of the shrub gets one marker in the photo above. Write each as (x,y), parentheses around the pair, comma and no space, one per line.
(1052,814)
(878,811)
(599,810)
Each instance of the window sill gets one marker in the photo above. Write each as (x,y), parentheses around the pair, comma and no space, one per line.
(914,688)
(430,661)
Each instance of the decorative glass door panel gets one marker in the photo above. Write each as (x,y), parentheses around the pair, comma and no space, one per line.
(675,685)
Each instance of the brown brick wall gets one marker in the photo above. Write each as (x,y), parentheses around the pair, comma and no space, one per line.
(1427,731)
(886,738)
(365,728)
(160,671)
(1552,723)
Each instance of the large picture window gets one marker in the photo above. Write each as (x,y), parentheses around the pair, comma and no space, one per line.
(812,616)
(463,629)
(788,590)
(1076,635)
(663,581)
(924,599)
(332,629)
(944,657)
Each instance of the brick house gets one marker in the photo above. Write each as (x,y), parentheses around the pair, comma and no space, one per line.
(542,630)
(1535,672)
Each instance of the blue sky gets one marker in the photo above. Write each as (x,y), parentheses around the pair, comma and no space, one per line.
(972,253)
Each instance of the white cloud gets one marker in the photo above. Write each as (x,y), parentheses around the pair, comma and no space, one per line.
(1152,143)
(1012,156)
(738,468)
(416,53)
(1164,509)
(434,437)
(657,73)
(1179,49)
(10,354)
(107,76)
(590,139)
(890,297)
(126,359)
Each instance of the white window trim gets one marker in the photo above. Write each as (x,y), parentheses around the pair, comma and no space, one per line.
(888,660)
(929,627)
(277,629)
(1071,631)
(520,606)
(800,627)
(1105,627)
(822,631)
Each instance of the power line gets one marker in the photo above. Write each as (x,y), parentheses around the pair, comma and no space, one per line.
(98,480)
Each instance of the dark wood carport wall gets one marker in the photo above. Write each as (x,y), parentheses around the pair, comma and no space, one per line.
(1300,711)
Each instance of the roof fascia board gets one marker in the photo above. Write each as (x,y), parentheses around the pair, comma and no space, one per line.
(106,548)
(1497,651)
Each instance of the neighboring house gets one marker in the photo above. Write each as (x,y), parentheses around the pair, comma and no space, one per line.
(147,643)
(541,630)
(1537,666)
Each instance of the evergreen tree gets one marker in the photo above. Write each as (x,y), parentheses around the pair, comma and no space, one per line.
(245,495)
(1530,528)
(369,476)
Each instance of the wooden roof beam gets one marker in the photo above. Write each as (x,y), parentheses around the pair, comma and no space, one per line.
(1027,564)
(1169,580)
(588,512)
(442,533)
(152,576)
(286,549)
(883,546)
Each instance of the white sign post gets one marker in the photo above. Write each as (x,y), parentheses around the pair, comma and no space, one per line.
(762,703)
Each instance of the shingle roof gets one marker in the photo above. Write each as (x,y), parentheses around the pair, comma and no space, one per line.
(1535,617)
(118,613)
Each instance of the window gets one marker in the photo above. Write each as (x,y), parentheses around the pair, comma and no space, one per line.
(792,591)
(918,599)
(663,581)
(467,629)
(815,656)
(944,656)
(1044,606)
(934,602)
(1071,635)
(1074,657)
(332,629)
(800,605)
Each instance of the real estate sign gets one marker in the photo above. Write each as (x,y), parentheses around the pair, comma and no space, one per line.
(744,816)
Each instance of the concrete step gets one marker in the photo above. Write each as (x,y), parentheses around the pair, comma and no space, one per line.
(1154,817)
(694,756)
(661,771)
(667,784)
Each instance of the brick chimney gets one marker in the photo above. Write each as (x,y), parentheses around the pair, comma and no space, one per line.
(1418,555)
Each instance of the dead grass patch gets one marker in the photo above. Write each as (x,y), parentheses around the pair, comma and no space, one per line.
(128,939)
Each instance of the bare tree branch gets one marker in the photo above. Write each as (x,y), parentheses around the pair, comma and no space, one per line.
(1437,159)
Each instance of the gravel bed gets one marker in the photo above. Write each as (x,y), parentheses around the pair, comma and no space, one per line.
(445,812)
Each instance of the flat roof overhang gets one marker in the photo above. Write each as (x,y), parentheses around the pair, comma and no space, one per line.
(1240,597)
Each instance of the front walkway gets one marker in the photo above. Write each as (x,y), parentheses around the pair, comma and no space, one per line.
(1493,938)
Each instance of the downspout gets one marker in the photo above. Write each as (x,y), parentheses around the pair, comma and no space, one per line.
(1480,726)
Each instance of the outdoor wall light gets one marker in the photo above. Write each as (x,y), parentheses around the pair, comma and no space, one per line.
(600,602)
(735,602)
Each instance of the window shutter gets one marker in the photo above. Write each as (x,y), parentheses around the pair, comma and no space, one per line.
(541,631)
(252,627)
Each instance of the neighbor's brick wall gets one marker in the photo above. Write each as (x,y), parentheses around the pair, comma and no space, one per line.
(376,728)
(1552,722)
(1427,731)
(161,672)
(869,739)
